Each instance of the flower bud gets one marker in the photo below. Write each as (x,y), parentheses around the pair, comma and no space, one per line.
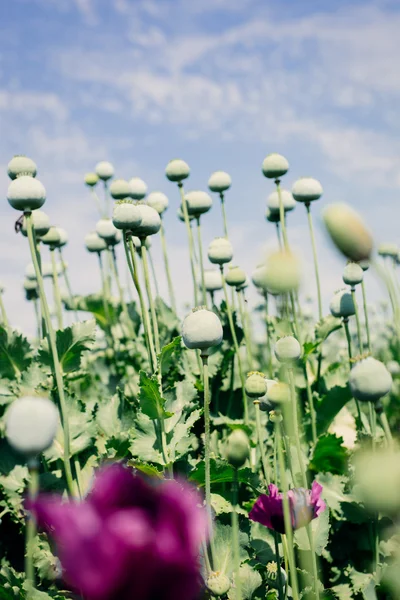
(287,349)
(235,276)
(137,188)
(63,237)
(307,189)
(40,223)
(282,273)
(126,215)
(272,216)
(31,424)
(369,380)
(388,249)
(91,179)
(237,448)
(220,251)
(26,193)
(150,223)
(177,170)
(94,243)
(198,202)
(158,201)
(104,170)
(212,280)
(274,166)
(119,189)
(256,385)
(278,393)
(348,232)
(201,329)
(342,305)
(21,165)
(353,274)
(105,229)
(51,238)
(219,182)
(287,200)
(218,584)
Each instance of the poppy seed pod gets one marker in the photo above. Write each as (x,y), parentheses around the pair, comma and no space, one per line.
(63,237)
(288,201)
(219,182)
(31,425)
(393,367)
(272,216)
(287,349)
(352,274)
(369,380)
(177,170)
(158,201)
(201,329)
(235,276)
(119,189)
(220,251)
(26,193)
(126,215)
(105,229)
(256,385)
(198,202)
(150,223)
(91,179)
(21,165)
(104,170)
(264,403)
(52,237)
(218,584)
(30,272)
(342,305)
(388,249)
(274,166)
(30,285)
(115,239)
(237,448)
(47,270)
(181,216)
(137,188)
(258,275)
(282,273)
(94,243)
(348,232)
(40,223)
(364,264)
(278,393)
(212,280)
(307,189)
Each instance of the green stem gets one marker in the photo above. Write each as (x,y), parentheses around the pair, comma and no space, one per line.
(245,324)
(278,562)
(296,430)
(200,244)
(386,428)
(278,235)
(235,536)
(33,487)
(221,195)
(282,215)
(153,271)
(67,282)
(78,474)
(150,296)
(348,338)
(314,250)
(190,240)
(97,202)
(117,279)
(269,344)
(3,311)
(264,461)
(167,271)
(104,294)
(53,350)
(364,293)
(37,314)
(207,439)
(360,344)
(56,290)
(106,200)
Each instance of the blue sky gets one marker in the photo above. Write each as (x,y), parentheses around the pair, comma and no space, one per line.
(220,83)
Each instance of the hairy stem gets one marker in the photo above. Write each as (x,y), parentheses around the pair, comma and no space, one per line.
(364,293)
(360,344)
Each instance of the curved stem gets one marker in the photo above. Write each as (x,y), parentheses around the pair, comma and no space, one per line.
(221,195)
(245,324)
(104,294)
(282,215)
(56,289)
(3,311)
(153,272)
(314,250)
(33,487)
(67,282)
(190,240)
(364,293)
(150,295)
(360,344)
(235,536)
(167,271)
(264,461)
(200,244)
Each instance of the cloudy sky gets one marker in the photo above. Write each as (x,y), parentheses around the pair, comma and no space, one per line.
(219,83)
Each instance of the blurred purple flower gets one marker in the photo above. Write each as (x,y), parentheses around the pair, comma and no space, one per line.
(305,505)
(128,538)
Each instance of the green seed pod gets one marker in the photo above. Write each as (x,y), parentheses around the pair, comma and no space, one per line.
(282,273)
(181,216)
(307,189)
(94,243)
(218,584)
(201,329)
(369,380)
(137,243)
(158,201)
(237,448)
(63,237)
(150,223)
(393,367)
(287,349)
(137,188)
(30,284)
(126,215)
(31,425)
(377,479)
(264,403)
(258,275)
(278,393)
(348,232)
(30,272)
(91,179)
(26,193)
(272,216)
(21,165)
(119,189)
(256,385)
(47,270)
(40,223)
(353,274)
(288,201)
(388,249)
(52,237)
(104,170)
(219,182)
(198,202)
(273,576)
(105,229)
(220,251)
(342,305)
(235,276)
(364,264)
(275,166)
(275,416)
(212,280)
(115,239)
(244,285)
(177,170)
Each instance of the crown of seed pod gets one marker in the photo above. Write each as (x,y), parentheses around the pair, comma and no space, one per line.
(278,392)
(282,273)
(40,223)
(235,276)
(31,425)
(219,182)
(158,201)
(353,274)
(220,251)
(212,280)
(105,229)
(21,165)
(51,238)
(288,201)
(26,193)
(126,215)
(91,179)
(177,170)
(201,329)
(218,584)
(198,202)
(119,189)
(181,215)
(94,243)
(104,170)
(348,232)
(256,385)
(287,349)
(342,305)
(63,237)
(137,188)
(369,380)
(307,189)
(388,249)
(272,216)
(275,166)
(150,221)
(237,448)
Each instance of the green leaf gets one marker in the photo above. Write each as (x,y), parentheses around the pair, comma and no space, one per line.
(222,472)
(151,401)
(250,580)
(15,353)
(330,405)
(43,559)
(146,469)
(95,305)
(320,528)
(145,444)
(167,353)
(71,343)
(82,432)
(326,326)
(223,548)
(329,456)
(309,348)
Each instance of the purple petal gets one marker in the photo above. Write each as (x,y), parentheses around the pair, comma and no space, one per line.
(268,510)
(316,501)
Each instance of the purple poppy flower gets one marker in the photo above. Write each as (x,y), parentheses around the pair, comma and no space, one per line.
(305,505)
(128,538)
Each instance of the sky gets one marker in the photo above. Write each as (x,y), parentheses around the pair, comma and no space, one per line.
(218,83)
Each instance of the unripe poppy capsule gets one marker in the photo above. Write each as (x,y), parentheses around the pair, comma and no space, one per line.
(256,385)
(287,349)
(353,274)
(237,448)
(272,216)
(177,170)
(158,201)
(388,249)
(307,189)
(94,243)
(181,215)
(220,251)
(137,188)
(342,305)
(288,201)
(63,237)
(201,329)
(275,166)
(212,280)
(40,223)
(198,202)
(104,170)
(31,424)
(51,238)
(150,221)
(348,232)
(219,181)
(26,193)
(235,276)
(126,215)
(369,380)
(91,179)
(278,393)
(218,584)
(105,229)
(119,189)
(21,165)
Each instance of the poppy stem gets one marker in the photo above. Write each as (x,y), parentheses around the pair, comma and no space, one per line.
(261,443)
(97,202)
(244,317)
(56,290)
(269,345)
(348,338)
(364,293)
(296,430)
(278,562)
(146,274)
(153,272)
(200,246)
(360,343)
(282,215)
(67,283)
(207,441)
(315,257)
(167,271)
(190,240)
(235,535)
(33,487)
(222,196)
(4,319)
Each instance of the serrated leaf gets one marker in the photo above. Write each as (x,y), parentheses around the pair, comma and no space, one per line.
(222,543)
(44,560)
(221,472)
(146,469)
(145,444)
(167,353)
(329,455)
(151,401)
(107,417)
(15,353)
(71,343)
(330,405)
(326,326)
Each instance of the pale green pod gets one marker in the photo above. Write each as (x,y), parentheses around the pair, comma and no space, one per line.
(30,272)
(201,329)
(158,201)
(219,182)
(256,385)
(218,584)
(198,202)
(258,275)
(106,229)
(272,216)
(235,276)
(31,424)
(278,393)
(273,575)
(287,349)
(181,216)
(348,232)
(126,215)
(288,201)
(94,243)
(342,305)
(282,273)
(115,239)
(40,223)
(26,193)
(237,448)
(51,238)
(212,280)
(307,189)
(137,188)
(369,380)
(364,264)
(388,249)
(63,237)
(353,274)
(393,367)
(104,170)
(119,189)
(21,165)
(275,166)
(47,270)
(91,179)
(150,221)
(177,170)
(30,285)
(220,251)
